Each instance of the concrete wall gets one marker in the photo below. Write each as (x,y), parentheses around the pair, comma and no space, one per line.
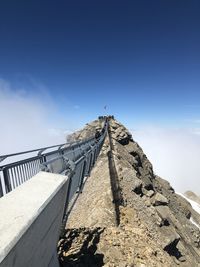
(30,217)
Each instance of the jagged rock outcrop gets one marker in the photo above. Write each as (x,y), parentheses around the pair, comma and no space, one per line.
(136,219)
(88,131)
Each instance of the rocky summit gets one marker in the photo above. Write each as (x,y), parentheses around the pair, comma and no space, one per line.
(127,215)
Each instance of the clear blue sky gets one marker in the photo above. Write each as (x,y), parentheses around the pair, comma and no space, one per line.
(62,61)
(140,58)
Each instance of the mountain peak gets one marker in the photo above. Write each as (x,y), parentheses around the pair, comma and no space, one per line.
(131,216)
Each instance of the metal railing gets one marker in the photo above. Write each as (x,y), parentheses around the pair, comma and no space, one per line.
(73,159)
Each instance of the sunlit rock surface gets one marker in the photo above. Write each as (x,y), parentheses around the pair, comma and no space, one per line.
(144,223)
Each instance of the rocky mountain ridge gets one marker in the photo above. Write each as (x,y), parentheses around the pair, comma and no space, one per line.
(192,196)
(155,226)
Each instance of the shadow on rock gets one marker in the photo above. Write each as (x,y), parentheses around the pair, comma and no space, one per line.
(78,248)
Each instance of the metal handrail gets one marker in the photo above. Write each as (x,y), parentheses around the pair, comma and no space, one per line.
(41,150)
(82,153)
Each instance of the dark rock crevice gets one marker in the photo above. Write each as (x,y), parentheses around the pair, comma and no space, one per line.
(114,180)
(138,190)
(172,249)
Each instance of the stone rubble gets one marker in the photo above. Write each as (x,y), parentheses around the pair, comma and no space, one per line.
(155,227)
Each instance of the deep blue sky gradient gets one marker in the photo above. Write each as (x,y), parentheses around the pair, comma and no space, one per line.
(140,58)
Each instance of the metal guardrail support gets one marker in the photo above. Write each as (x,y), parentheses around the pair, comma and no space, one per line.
(1,189)
(82,154)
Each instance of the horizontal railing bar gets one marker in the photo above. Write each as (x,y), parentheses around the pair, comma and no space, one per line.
(29,151)
(68,145)
(36,157)
(79,160)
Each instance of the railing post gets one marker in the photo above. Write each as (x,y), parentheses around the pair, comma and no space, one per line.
(1,188)
(82,177)
(89,163)
(7,180)
(95,155)
(65,215)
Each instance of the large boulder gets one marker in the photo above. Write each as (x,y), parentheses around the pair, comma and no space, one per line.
(159,199)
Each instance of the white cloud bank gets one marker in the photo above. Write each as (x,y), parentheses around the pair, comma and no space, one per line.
(25,119)
(174,153)
(25,124)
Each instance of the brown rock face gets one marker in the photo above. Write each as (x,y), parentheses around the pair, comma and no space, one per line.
(128,216)
(88,131)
